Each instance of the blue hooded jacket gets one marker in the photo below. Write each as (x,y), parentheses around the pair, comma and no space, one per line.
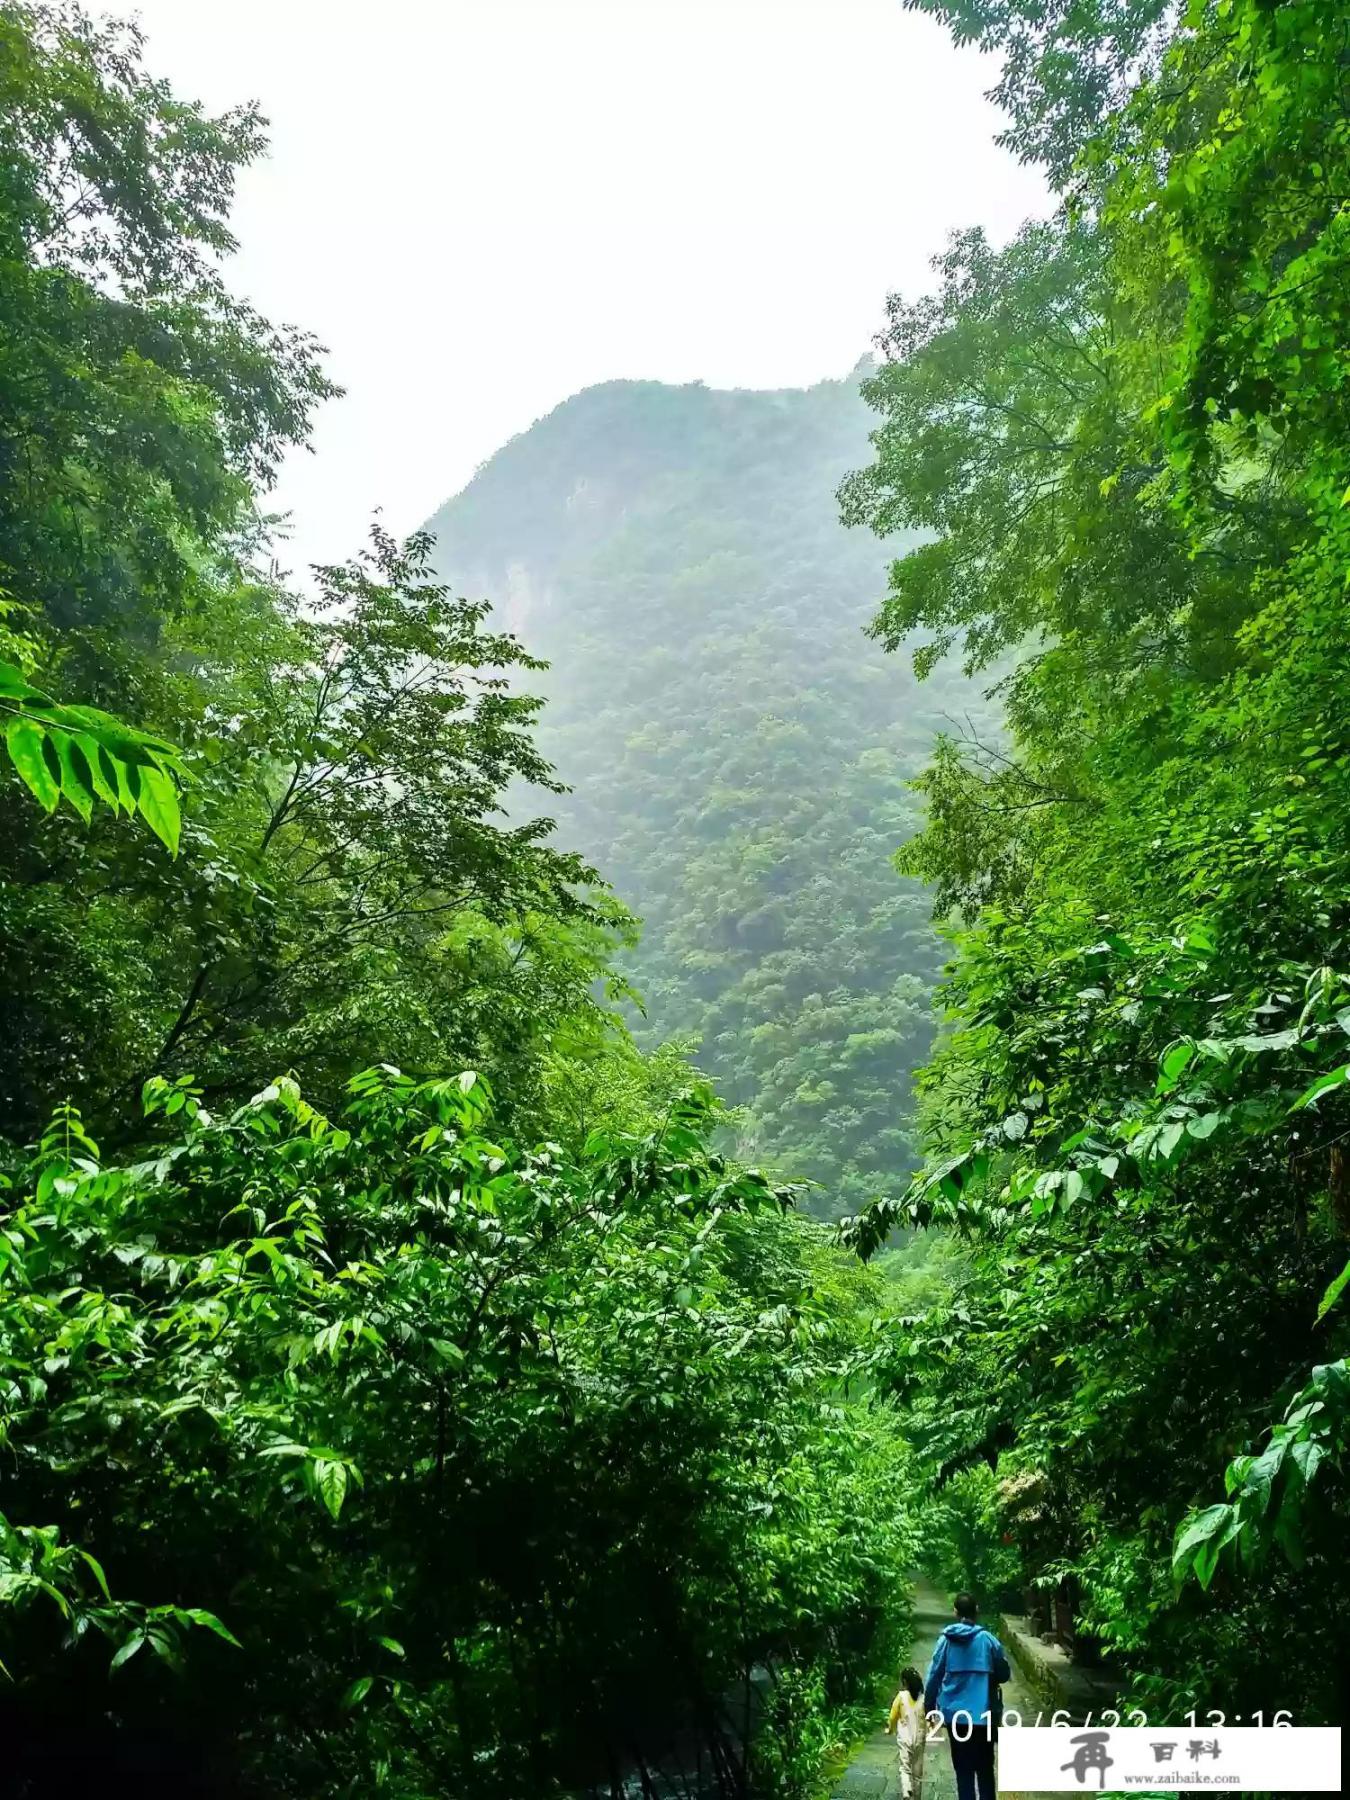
(968,1667)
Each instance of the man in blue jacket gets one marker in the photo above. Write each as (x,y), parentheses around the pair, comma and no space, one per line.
(968,1667)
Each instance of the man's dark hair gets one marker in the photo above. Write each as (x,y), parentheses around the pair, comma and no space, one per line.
(965,1605)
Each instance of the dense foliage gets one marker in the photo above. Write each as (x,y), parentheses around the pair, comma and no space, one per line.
(1126,432)
(362,1432)
(738,755)
(344,879)
(84,757)
(403,1459)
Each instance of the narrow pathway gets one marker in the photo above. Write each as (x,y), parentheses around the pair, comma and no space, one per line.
(872,1775)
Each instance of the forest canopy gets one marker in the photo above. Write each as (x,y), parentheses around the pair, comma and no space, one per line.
(399,1392)
(1125,434)
(421,1370)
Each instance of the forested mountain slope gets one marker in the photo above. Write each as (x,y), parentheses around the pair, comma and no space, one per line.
(737,749)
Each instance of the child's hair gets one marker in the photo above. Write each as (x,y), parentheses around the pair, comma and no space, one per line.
(911,1681)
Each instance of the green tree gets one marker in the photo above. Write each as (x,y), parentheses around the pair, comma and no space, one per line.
(345,888)
(1135,1118)
(395,1456)
(443,1445)
(138,399)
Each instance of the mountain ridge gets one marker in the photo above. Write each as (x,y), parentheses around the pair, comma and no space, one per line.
(738,750)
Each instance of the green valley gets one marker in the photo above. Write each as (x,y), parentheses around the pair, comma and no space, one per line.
(598,1099)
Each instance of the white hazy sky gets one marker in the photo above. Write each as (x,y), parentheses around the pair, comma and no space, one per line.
(482,206)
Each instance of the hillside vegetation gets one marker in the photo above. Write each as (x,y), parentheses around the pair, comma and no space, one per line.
(1125,436)
(737,750)
(412,1382)
(399,1393)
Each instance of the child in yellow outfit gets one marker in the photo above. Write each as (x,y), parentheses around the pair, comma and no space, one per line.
(906,1719)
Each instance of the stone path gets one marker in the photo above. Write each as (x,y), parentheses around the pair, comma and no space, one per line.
(872,1774)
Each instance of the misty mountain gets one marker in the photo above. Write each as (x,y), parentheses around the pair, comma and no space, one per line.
(737,748)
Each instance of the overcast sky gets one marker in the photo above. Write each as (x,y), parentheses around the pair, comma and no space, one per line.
(482,206)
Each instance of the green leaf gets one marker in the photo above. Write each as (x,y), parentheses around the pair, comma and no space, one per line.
(1307,1456)
(159,807)
(357,1692)
(1324,1083)
(1261,1042)
(1174,1064)
(1205,1562)
(1333,1293)
(25,741)
(208,1620)
(1196,1531)
(100,765)
(1258,1484)
(1203,1127)
(99,1576)
(128,786)
(331,1480)
(128,1650)
(13,686)
(1168,1139)
(75,778)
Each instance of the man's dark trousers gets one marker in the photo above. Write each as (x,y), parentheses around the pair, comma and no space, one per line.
(973,1762)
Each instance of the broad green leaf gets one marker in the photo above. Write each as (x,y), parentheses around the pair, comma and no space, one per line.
(1333,1293)
(134,1643)
(13,684)
(25,741)
(75,778)
(1307,1456)
(159,807)
(1196,1531)
(1260,1043)
(1258,1484)
(1168,1139)
(128,785)
(95,757)
(1174,1064)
